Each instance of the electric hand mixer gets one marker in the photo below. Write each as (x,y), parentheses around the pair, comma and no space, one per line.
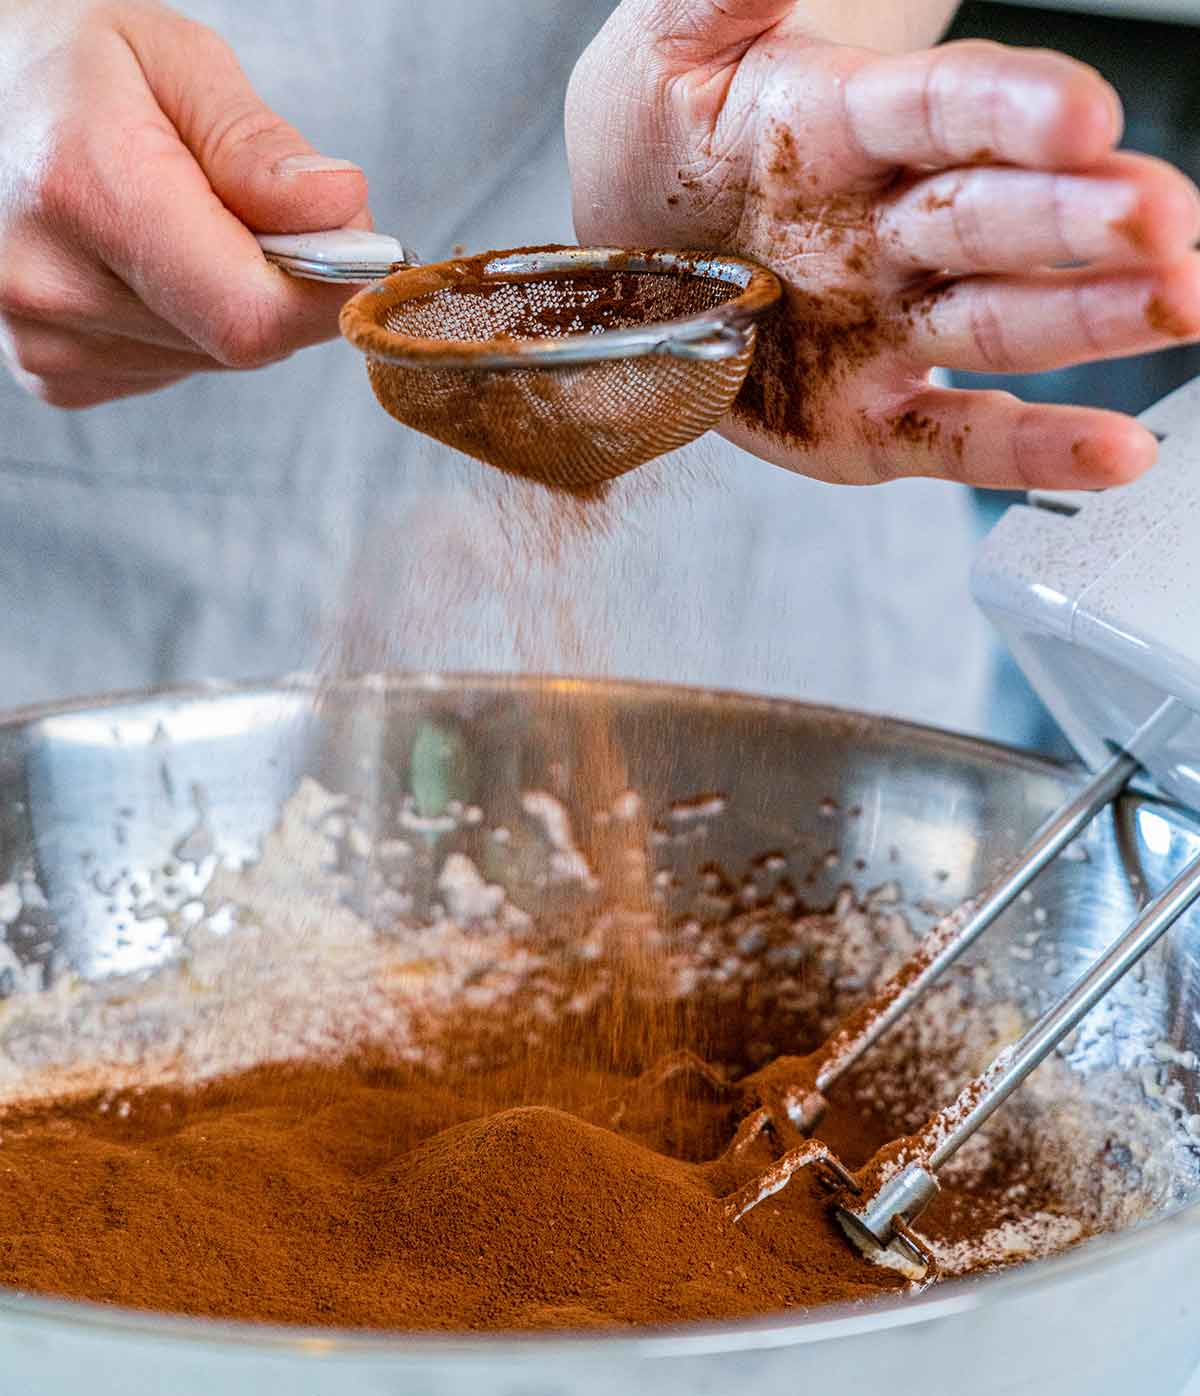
(1098,596)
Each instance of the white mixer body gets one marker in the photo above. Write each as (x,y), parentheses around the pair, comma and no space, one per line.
(1098,597)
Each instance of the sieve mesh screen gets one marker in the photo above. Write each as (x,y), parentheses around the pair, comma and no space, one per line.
(557,305)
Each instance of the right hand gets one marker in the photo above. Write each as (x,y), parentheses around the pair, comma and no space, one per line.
(135,163)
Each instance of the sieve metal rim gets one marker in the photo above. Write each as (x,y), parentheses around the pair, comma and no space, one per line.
(720,332)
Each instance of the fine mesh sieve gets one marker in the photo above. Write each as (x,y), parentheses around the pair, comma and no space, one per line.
(569,366)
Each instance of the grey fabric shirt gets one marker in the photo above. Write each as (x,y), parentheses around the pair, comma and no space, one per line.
(228,526)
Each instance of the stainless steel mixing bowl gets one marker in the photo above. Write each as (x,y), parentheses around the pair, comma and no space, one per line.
(97,798)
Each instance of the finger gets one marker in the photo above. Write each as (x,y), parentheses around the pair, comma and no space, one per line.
(44,281)
(260,167)
(194,265)
(994,440)
(144,207)
(75,394)
(977,102)
(48,351)
(996,220)
(1027,324)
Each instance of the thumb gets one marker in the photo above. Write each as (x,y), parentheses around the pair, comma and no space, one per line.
(261,168)
(703,28)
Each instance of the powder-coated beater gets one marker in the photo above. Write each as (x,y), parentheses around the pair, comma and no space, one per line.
(1098,597)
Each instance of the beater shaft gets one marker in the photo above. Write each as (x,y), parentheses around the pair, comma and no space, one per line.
(793,1088)
(1065,1016)
(904,1194)
(954,935)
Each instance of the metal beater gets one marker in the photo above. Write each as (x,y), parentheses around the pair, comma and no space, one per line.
(877,1205)
(1098,596)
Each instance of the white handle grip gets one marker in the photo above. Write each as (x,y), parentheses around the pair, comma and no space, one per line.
(344,255)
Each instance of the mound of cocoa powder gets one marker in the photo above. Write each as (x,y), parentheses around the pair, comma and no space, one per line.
(375,1196)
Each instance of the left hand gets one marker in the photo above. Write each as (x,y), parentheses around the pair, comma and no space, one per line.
(962,207)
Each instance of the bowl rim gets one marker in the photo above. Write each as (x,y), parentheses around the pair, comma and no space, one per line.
(784,1329)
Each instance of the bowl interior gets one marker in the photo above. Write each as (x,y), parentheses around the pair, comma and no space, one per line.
(133,832)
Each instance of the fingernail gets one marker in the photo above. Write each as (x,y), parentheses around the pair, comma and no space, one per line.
(314,164)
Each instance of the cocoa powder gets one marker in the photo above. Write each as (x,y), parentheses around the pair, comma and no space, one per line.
(375,1195)
(1165,319)
(839,313)
(615,296)
(803,355)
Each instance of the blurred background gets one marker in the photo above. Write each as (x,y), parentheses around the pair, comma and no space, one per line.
(1150,51)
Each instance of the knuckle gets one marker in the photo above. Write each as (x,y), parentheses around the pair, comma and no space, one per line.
(1061,223)
(1089,328)
(238,128)
(29,294)
(1026,445)
(248,336)
(71,166)
(82,191)
(59,191)
(987,334)
(968,231)
(61,182)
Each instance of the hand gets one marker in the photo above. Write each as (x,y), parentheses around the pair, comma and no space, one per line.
(134,160)
(961,207)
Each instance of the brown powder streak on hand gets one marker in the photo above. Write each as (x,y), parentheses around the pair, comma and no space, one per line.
(1163,319)
(1133,230)
(917,429)
(805,353)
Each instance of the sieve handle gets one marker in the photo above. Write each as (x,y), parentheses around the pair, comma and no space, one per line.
(348,255)
(709,341)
